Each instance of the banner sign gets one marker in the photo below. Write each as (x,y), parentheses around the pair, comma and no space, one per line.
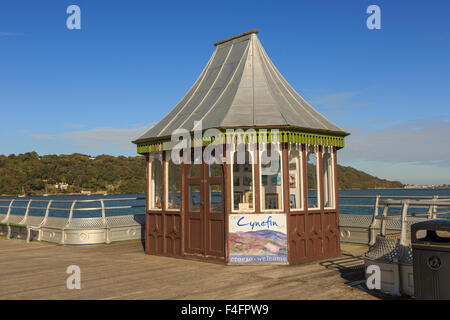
(257,238)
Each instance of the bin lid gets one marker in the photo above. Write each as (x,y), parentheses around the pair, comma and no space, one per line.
(433,236)
(435,224)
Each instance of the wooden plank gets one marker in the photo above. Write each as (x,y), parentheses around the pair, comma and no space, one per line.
(121,270)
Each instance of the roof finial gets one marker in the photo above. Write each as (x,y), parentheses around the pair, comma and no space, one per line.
(236,36)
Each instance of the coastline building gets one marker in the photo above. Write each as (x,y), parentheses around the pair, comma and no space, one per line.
(61,186)
(270,194)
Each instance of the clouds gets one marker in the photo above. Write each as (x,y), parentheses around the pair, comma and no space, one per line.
(340,102)
(104,138)
(97,140)
(422,142)
(335,100)
(413,151)
(11,34)
(74,125)
(43,136)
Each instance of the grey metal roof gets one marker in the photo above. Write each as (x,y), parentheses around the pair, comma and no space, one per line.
(240,87)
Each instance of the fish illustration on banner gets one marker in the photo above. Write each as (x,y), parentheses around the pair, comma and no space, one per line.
(257,238)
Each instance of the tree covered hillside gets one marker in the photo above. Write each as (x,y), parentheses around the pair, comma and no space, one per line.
(350,178)
(39,174)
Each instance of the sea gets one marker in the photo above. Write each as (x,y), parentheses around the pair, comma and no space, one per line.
(87,206)
(385,194)
(125,204)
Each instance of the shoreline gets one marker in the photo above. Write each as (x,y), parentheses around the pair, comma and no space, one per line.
(103,192)
(60,194)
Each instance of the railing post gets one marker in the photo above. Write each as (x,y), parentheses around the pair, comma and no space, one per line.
(9,211)
(63,231)
(44,221)
(377,204)
(103,212)
(432,209)
(47,211)
(25,219)
(26,211)
(375,223)
(71,212)
(384,221)
(403,234)
(8,227)
(105,223)
(435,207)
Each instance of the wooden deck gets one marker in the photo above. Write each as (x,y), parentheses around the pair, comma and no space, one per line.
(121,270)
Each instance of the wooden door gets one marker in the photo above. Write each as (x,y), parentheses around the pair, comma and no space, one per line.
(214,211)
(205,210)
(194,217)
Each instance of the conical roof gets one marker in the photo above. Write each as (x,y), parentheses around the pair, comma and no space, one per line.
(240,87)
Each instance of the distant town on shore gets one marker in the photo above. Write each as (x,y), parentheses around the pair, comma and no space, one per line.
(32,174)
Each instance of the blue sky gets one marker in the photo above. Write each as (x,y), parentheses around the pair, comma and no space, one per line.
(92,90)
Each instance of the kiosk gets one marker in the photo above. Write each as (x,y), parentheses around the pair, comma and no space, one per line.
(270,194)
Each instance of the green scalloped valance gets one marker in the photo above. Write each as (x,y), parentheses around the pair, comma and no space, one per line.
(267,136)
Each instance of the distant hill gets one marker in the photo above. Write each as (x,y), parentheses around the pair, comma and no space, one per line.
(39,174)
(350,178)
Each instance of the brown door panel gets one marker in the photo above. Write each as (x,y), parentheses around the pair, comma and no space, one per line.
(215,214)
(155,233)
(216,243)
(205,218)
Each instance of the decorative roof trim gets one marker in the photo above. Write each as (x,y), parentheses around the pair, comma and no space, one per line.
(223,129)
(277,135)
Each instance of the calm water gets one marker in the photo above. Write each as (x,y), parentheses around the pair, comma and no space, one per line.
(39,207)
(386,192)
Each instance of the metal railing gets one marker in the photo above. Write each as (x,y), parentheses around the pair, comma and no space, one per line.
(73,212)
(378,198)
(362,226)
(432,213)
(356,225)
(72,208)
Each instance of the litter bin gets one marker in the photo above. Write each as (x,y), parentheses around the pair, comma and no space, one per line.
(430,242)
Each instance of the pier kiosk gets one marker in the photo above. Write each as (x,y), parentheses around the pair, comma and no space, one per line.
(242,169)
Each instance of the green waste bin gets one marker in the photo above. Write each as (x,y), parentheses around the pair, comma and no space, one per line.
(431,259)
